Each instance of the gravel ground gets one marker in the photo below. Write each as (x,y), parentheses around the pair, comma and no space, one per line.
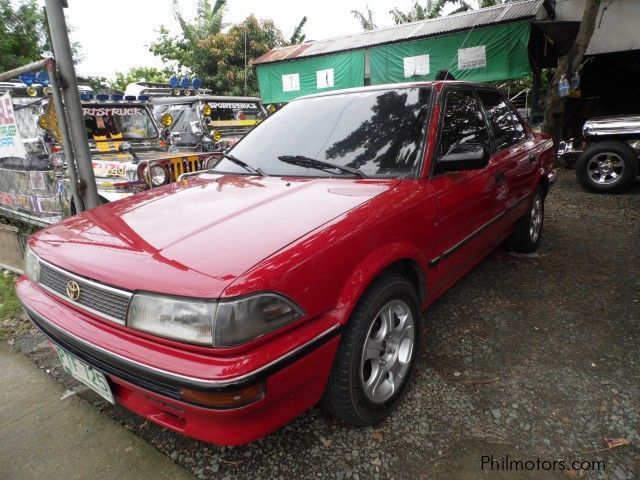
(530,356)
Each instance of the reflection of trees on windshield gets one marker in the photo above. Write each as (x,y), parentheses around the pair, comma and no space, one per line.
(391,136)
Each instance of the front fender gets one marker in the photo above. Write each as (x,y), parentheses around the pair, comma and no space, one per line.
(372,266)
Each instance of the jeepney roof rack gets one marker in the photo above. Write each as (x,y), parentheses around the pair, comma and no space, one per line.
(114,97)
(18,89)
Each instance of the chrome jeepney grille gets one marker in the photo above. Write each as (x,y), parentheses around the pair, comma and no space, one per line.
(104,301)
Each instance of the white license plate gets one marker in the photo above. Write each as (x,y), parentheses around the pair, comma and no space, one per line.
(88,375)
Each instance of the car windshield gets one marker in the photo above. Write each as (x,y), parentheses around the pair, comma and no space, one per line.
(127,122)
(379,132)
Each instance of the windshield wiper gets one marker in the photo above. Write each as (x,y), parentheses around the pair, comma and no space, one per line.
(302,161)
(242,164)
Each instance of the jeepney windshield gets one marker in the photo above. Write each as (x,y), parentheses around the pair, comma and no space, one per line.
(26,114)
(185,116)
(230,111)
(126,122)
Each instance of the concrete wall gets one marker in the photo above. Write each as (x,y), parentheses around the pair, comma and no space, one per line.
(617,26)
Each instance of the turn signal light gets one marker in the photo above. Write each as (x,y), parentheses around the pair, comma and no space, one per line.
(228,399)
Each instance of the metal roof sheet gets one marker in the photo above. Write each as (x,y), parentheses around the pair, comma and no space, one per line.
(507,12)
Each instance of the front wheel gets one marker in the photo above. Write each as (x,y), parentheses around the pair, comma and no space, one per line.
(526,236)
(375,359)
(607,167)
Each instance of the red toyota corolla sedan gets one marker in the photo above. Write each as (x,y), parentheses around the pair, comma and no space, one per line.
(296,270)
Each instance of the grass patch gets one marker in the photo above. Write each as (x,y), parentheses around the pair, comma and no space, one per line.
(9,303)
(12,321)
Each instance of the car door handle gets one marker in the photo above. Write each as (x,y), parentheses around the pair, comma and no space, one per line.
(499,176)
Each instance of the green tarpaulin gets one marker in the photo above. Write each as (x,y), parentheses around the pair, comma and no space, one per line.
(481,55)
(484,54)
(284,81)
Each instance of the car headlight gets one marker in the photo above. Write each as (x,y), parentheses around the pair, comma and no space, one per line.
(218,324)
(31,265)
(158,175)
(180,319)
(247,318)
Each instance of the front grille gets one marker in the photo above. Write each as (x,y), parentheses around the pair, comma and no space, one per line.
(190,164)
(102,300)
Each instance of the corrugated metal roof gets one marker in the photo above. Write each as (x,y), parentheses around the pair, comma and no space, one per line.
(508,12)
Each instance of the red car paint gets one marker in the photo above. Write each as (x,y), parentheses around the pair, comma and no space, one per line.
(318,241)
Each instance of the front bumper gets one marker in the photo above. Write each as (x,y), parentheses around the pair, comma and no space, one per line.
(294,382)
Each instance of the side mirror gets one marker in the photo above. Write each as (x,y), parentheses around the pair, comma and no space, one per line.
(467,156)
(125,147)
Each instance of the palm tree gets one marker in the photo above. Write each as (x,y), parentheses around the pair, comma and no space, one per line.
(433,9)
(298,36)
(208,20)
(365,19)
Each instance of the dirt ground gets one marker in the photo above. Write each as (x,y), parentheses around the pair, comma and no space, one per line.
(528,360)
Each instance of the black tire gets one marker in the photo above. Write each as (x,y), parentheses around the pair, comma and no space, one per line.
(345,396)
(623,170)
(526,236)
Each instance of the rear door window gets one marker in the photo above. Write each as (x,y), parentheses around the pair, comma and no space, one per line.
(506,128)
(462,122)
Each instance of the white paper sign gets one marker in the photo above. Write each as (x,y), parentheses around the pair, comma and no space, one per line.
(324,78)
(472,57)
(291,82)
(10,140)
(416,66)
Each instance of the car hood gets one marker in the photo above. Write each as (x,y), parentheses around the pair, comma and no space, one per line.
(195,237)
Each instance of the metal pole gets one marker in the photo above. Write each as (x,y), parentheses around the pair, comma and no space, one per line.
(245,60)
(16,72)
(64,133)
(71,96)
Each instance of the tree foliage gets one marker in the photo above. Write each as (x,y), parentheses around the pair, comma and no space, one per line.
(435,8)
(219,60)
(122,79)
(137,74)
(180,49)
(207,49)
(24,34)
(365,18)
(298,36)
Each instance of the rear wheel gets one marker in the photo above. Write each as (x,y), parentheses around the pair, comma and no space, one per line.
(607,167)
(375,359)
(526,236)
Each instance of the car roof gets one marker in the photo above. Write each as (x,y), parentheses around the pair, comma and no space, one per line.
(397,86)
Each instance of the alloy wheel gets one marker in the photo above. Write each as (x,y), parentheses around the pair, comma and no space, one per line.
(535,219)
(387,351)
(605,168)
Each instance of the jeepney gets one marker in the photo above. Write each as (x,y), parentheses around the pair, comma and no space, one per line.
(209,123)
(607,157)
(129,153)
